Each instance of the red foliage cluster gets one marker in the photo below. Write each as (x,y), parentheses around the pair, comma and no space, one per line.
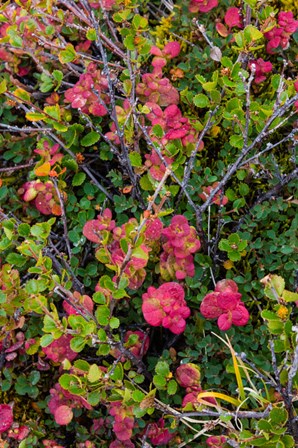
(158,434)
(138,348)
(81,302)
(51,444)
(154,88)
(49,156)
(155,164)
(123,420)
(232,19)
(218,199)
(216,441)
(202,5)
(177,260)
(6,417)
(153,229)
(59,349)
(261,68)
(62,402)
(14,430)
(279,36)
(89,93)
(105,4)
(43,196)
(188,376)
(18,432)
(225,305)
(173,124)
(166,306)
(170,51)
(93,228)
(15,346)
(122,444)
(110,252)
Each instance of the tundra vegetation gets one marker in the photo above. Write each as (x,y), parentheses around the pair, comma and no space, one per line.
(148,219)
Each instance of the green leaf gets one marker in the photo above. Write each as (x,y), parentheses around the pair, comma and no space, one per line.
(53,111)
(67,55)
(269,315)
(129,42)
(102,315)
(159,381)
(146,183)
(139,22)
(24,230)
(77,344)
(135,159)
(78,179)
(278,417)
(99,297)
(251,3)
(138,396)
(264,425)
(94,398)
(237,141)
(46,340)
(117,373)
(94,373)
(114,323)
(90,139)
(3,86)
(172,387)
(91,34)
(22,94)
(157,130)
(70,163)
(201,100)
(251,33)
(274,286)
(3,192)
(16,259)
(289,296)
(35,286)
(162,368)
(35,116)
(224,245)
(243,189)
(234,256)
(239,39)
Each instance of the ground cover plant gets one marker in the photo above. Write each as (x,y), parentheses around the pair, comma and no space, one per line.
(148,223)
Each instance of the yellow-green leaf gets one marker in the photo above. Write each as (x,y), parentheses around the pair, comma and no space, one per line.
(22,94)
(219,395)
(67,55)
(35,116)
(289,296)
(3,86)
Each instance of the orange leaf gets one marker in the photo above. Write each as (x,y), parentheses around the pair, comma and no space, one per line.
(56,210)
(43,170)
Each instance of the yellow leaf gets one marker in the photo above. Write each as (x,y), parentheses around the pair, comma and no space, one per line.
(237,371)
(224,397)
(35,116)
(43,170)
(22,94)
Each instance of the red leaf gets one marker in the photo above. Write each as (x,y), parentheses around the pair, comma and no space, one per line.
(6,417)
(209,307)
(224,321)
(63,415)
